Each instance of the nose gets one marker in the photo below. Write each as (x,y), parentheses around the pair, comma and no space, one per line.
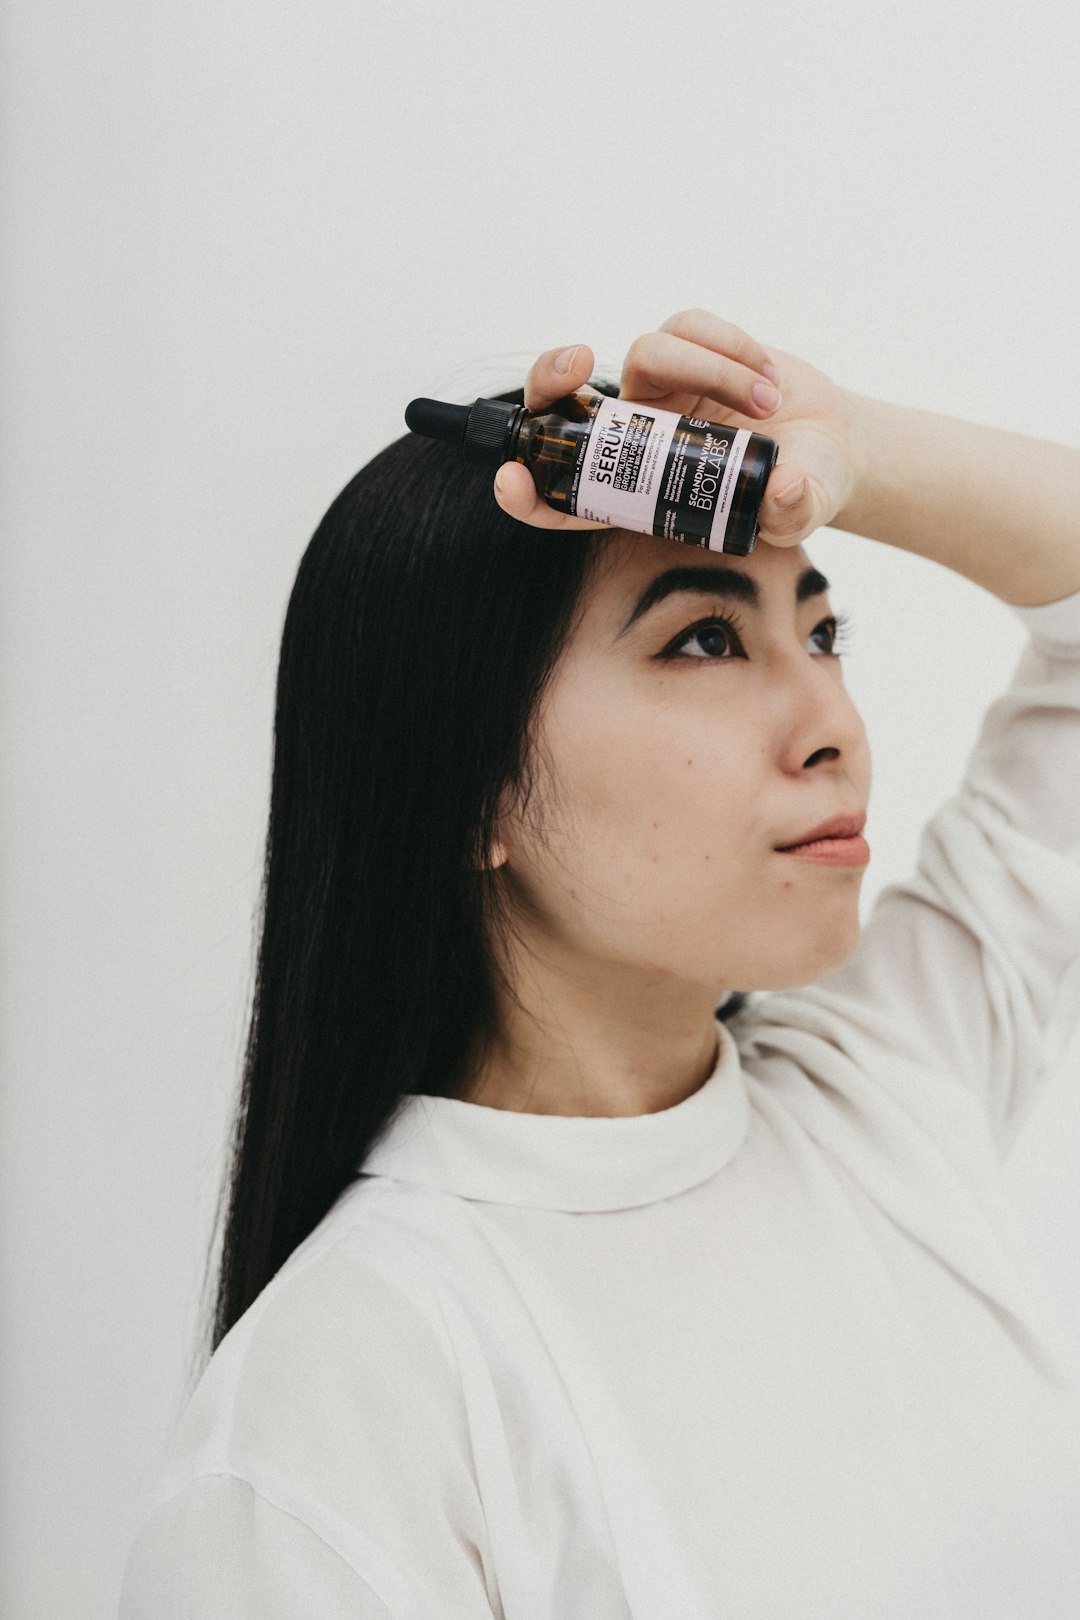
(825,724)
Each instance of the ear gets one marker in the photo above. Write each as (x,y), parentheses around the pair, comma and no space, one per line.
(499,854)
(498,857)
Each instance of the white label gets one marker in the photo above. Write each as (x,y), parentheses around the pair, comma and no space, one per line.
(624,460)
(660,473)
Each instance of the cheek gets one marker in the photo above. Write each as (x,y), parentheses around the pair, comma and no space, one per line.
(663,802)
(657,859)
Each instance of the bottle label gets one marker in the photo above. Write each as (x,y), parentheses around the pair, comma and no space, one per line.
(659,473)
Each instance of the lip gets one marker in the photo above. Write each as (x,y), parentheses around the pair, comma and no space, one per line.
(853,851)
(848,826)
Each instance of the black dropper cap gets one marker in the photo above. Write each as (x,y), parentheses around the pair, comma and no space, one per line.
(480,431)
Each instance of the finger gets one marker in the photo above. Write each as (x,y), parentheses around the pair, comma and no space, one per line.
(515,492)
(546,382)
(713,332)
(784,522)
(659,364)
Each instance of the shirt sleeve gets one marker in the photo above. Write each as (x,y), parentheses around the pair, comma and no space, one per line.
(971,967)
(323,1465)
(219,1550)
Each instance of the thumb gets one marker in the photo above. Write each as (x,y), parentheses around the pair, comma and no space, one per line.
(786,513)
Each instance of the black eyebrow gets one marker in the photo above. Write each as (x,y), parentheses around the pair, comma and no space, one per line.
(731,583)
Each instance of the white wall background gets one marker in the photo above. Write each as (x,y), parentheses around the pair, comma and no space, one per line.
(237,239)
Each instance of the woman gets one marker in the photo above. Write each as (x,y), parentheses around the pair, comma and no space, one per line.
(550,1287)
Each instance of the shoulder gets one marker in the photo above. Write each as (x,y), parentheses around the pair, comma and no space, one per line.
(348,1338)
(329,1428)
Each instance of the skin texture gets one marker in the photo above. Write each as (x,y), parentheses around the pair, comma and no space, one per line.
(643,878)
(645,882)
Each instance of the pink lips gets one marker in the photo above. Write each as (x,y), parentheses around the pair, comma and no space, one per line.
(853,851)
(837,827)
(838,842)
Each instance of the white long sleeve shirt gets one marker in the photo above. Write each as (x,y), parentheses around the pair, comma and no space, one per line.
(774,1353)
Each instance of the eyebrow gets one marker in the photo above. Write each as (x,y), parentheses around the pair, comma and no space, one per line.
(730,583)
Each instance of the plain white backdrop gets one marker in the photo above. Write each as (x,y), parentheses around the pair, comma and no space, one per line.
(237,239)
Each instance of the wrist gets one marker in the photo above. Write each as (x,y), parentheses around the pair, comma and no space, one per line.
(860,417)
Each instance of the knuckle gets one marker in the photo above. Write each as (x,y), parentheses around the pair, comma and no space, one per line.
(642,352)
(680,319)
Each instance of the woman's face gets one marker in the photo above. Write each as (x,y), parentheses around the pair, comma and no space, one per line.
(668,775)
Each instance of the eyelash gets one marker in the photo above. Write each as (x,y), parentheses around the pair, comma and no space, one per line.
(840,624)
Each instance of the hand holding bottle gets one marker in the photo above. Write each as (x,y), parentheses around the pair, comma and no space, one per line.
(699,365)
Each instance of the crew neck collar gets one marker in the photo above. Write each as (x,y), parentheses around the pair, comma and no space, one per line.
(567,1162)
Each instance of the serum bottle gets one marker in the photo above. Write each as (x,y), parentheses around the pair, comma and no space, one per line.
(612,461)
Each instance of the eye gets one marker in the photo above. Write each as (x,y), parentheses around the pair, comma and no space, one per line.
(837,629)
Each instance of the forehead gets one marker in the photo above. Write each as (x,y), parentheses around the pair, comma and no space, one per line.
(632,563)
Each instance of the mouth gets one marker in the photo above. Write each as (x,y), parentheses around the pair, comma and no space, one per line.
(838,829)
(852,851)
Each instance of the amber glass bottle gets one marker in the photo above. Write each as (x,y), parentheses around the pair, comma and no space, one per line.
(612,461)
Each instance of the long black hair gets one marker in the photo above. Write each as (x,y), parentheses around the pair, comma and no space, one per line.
(421,629)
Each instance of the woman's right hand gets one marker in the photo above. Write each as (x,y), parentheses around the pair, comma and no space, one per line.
(697,364)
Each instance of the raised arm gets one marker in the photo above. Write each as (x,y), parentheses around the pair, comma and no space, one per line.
(1000,508)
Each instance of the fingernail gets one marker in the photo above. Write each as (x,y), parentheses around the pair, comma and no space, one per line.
(500,481)
(765,395)
(788,497)
(565,360)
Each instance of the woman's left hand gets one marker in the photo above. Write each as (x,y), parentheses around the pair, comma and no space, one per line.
(697,364)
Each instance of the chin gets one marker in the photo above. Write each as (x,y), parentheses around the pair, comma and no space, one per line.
(844,949)
(829,957)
